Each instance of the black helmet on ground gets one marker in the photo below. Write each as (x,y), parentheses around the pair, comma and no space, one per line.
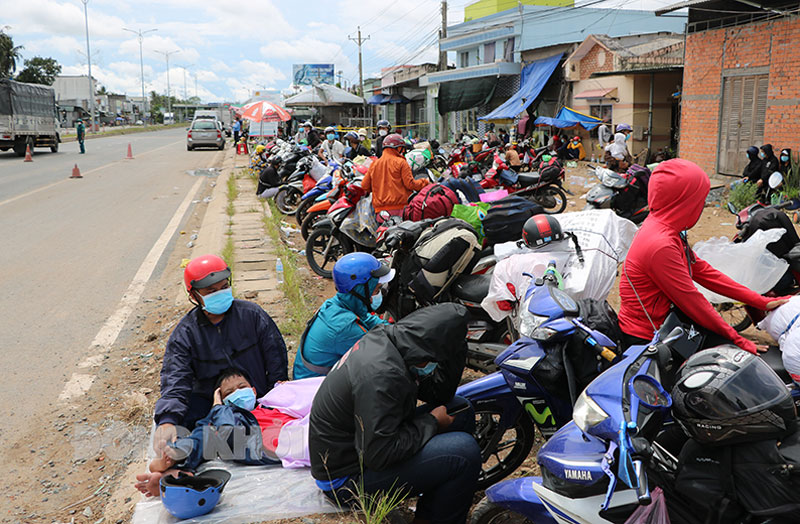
(726,395)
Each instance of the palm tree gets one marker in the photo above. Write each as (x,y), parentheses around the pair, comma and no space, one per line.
(9,54)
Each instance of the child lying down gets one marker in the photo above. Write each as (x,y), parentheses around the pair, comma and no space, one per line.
(241,430)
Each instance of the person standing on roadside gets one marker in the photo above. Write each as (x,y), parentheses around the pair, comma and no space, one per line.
(81,131)
(219,333)
(237,130)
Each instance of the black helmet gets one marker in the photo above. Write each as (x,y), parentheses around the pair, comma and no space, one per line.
(276,160)
(540,230)
(726,395)
(384,123)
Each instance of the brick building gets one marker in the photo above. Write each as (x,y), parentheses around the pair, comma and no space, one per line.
(741,82)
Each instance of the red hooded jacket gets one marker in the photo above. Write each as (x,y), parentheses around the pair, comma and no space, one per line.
(657,265)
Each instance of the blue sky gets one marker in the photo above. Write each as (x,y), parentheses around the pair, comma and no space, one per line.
(231,47)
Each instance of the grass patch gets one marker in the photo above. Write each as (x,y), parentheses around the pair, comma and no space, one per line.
(124,131)
(227,251)
(298,307)
(233,192)
(742,195)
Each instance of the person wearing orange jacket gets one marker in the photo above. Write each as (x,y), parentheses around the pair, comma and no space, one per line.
(389,178)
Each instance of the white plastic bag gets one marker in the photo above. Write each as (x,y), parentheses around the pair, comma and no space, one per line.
(783,325)
(748,263)
(318,170)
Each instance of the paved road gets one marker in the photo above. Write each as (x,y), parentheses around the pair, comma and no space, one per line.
(70,249)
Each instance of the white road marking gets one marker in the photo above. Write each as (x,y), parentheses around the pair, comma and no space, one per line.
(48,186)
(79,384)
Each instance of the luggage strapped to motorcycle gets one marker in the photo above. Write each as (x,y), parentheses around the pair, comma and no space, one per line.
(319,370)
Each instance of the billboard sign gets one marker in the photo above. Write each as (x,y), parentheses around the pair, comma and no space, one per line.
(307,74)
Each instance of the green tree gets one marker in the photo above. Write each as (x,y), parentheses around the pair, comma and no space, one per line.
(9,55)
(39,70)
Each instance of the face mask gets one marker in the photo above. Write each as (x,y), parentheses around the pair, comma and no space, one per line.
(383,132)
(426,371)
(218,302)
(575,142)
(330,136)
(376,301)
(762,155)
(244,398)
(626,137)
(784,158)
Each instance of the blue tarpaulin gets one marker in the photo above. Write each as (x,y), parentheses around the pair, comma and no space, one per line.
(567,118)
(533,78)
(377,99)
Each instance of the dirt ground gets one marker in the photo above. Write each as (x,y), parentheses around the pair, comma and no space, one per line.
(79,467)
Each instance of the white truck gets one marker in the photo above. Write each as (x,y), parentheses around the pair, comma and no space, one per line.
(28,117)
(221,114)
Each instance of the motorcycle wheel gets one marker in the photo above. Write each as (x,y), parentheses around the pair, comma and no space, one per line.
(486,512)
(308,223)
(552,199)
(511,450)
(302,210)
(287,199)
(315,247)
(734,314)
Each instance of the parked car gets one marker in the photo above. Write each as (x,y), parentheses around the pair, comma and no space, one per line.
(204,133)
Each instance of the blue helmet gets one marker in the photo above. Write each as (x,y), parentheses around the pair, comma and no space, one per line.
(624,127)
(351,135)
(358,268)
(188,496)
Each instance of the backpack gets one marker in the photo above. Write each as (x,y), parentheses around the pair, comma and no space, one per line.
(467,187)
(440,255)
(551,170)
(504,220)
(432,201)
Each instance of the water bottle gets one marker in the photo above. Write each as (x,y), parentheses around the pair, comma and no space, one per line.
(279,270)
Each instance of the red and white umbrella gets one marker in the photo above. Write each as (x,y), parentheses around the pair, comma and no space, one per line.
(264,111)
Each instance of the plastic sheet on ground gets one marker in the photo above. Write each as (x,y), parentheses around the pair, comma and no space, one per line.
(254,494)
(604,238)
(748,263)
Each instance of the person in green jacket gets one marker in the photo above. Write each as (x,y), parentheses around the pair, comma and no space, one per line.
(344,318)
(81,130)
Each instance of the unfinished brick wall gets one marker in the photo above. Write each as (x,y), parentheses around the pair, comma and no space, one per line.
(770,45)
(589,63)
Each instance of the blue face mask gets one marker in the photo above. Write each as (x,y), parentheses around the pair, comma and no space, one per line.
(376,302)
(426,371)
(762,155)
(331,136)
(626,137)
(218,302)
(244,398)
(784,158)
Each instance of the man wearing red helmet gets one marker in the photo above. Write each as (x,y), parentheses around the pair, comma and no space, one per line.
(390,179)
(219,333)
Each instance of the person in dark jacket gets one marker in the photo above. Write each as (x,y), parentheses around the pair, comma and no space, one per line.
(220,332)
(268,180)
(312,136)
(785,161)
(80,130)
(384,128)
(354,148)
(769,165)
(365,427)
(752,171)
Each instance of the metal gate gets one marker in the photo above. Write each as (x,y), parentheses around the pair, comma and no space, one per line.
(744,109)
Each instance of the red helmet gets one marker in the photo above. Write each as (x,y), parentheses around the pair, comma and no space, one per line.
(204,271)
(394,141)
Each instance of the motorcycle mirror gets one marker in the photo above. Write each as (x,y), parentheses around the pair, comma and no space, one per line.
(384,215)
(674,335)
(775,179)
(732,208)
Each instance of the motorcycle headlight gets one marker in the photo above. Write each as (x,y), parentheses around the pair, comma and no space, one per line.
(529,322)
(586,413)
(543,334)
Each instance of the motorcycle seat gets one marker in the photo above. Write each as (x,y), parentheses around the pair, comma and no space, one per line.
(528,179)
(472,288)
(774,358)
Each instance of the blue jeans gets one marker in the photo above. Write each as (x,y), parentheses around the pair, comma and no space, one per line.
(83,149)
(445,472)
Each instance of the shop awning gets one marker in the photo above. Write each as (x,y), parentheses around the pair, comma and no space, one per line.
(377,100)
(595,93)
(533,79)
(465,94)
(567,118)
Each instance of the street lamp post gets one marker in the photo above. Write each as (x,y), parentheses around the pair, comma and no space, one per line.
(141,34)
(89,61)
(169,102)
(185,91)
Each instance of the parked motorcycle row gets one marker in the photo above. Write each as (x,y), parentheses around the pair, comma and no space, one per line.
(664,430)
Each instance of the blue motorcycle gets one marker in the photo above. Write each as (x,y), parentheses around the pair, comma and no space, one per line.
(621,441)
(321,188)
(529,390)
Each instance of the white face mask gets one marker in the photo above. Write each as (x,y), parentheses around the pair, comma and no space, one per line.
(383,132)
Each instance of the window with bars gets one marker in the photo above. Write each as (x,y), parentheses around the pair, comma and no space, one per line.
(744,109)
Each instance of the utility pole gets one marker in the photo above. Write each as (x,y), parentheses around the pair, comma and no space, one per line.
(141,34)
(169,102)
(359,41)
(443,132)
(89,61)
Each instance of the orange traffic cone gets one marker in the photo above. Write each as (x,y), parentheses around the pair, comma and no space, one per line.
(130,152)
(28,156)
(76,173)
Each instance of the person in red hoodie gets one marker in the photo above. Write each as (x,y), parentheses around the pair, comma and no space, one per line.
(660,270)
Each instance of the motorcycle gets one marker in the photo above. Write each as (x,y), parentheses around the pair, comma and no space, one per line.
(290,193)
(523,394)
(309,198)
(323,203)
(625,194)
(620,444)
(544,190)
